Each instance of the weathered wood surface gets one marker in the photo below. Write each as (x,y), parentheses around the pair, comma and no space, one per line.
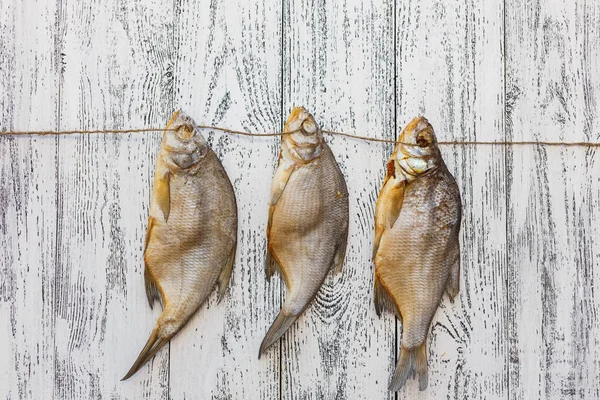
(73,209)
(552,92)
(29,69)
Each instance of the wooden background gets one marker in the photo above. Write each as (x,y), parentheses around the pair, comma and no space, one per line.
(73,209)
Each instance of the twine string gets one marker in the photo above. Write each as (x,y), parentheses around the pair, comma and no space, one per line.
(272,134)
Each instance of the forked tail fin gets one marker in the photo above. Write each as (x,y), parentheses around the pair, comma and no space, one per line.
(412,361)
(155,342)
(279,327)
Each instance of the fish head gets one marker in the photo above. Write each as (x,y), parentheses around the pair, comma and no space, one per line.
(303,137)
(183,146)
(417,151)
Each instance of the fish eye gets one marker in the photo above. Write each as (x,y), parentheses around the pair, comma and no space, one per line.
(422,142)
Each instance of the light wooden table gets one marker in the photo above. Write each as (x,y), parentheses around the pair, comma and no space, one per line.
(73,209)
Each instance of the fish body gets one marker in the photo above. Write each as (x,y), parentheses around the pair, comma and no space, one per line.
(416,252)
(192,231)
(307,229)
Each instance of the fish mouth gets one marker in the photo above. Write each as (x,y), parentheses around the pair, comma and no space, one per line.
(418,138)
(183,145)
(418,152)
(182,125)
(300,120)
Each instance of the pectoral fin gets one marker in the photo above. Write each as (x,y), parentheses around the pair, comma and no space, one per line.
(162,193)
(387,209)
(281,178)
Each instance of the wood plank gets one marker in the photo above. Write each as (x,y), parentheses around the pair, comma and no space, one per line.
(28,100)
(553,86)
(340,66)
(450,69)
(228,73)
(116,73)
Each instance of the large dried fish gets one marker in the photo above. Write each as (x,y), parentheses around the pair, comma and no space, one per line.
(308,218)
(416,250)
(192,231)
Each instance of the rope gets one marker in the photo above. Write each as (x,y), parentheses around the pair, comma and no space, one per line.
(243,133)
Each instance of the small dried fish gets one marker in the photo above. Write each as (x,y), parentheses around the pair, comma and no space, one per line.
(192,231)
(308,218)
(416,249)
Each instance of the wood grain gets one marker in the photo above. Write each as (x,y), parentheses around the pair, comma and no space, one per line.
(28,100)
(553,86)
(228,73)
(339,64)
(117,73)
(450,69)
(73,209)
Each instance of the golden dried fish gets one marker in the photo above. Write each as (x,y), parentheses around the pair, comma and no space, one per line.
(416,250)
(308,218)
(192,231)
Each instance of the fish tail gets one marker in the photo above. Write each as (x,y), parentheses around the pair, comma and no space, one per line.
(412,361)
(276,331)
(155,342)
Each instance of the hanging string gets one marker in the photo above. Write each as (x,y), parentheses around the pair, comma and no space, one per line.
(353,136)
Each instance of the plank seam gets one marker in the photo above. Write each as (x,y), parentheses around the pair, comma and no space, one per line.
(59,71)
(506,204)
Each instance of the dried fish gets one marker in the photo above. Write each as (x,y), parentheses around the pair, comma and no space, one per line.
(192,231)
(416,249)
(308,218)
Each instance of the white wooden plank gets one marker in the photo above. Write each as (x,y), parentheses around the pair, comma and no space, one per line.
(451,69)
(117,73)
(553,85)
(228,73)
(28,100)
(340,66)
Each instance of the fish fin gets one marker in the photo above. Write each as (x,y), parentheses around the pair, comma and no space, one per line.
(148,233)
(225,274)
(280,179)
(282,175)
(152,291)
(269,223)
(340,254)
(281,324)
(383,300)
(154,343)
(387,208)
(411,362)
(162,193)
(272,265)
(453,284)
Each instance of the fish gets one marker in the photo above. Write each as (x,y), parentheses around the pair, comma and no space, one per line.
(191,239)
(307,228)
(416,248)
